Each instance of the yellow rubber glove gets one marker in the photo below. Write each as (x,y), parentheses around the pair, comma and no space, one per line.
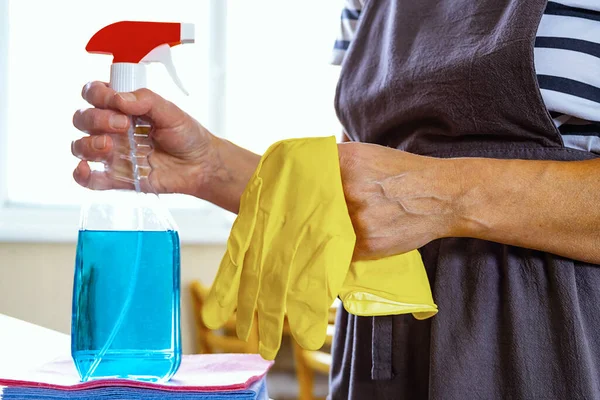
(290,251)
(290,247)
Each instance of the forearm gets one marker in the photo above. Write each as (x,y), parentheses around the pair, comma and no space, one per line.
(230,171)
(542,205)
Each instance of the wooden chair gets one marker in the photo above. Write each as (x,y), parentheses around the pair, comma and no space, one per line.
(224,340)
(310,362)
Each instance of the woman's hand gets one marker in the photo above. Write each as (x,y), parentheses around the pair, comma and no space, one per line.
(180,160)
(186,158)
(397,201)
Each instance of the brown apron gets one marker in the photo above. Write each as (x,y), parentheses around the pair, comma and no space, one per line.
(456,79)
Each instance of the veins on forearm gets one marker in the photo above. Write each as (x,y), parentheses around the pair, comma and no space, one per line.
(414,200)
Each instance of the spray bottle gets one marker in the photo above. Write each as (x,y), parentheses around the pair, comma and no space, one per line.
(126,317)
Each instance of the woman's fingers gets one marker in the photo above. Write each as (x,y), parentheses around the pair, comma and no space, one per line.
(98,94)
(145,102)
(98,121)
(97,180)
(142,102)
(93,148)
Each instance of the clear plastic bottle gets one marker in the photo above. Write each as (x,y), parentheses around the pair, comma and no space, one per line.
(126,292)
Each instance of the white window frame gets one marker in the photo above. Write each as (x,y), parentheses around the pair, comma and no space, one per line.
(27,223)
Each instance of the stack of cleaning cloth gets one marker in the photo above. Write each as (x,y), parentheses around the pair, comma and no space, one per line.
(209,376)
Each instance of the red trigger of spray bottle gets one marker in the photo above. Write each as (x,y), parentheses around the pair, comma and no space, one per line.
(133,44)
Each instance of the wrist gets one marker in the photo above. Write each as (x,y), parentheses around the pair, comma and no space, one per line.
(472,176)
(446,184)
(227,173)
(435,190)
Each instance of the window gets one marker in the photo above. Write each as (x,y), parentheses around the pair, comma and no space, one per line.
(257,73)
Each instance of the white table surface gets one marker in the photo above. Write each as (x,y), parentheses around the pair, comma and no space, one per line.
(25,346)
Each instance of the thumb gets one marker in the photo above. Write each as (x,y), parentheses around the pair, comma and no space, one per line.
(143,102)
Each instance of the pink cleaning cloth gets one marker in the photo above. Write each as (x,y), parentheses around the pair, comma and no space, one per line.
(199,372)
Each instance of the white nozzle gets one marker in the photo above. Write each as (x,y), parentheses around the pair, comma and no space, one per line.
(162,54)
(187,33)
(127,77)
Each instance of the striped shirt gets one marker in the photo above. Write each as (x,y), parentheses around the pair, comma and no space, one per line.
(567,64)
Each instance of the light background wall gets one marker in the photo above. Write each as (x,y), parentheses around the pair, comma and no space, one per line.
(36,283)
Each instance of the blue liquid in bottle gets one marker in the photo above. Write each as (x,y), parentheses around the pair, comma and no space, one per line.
(147,344)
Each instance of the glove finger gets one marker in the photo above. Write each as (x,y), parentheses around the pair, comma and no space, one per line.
(271,302)
(216,312)
(223,296)
(251,276)
(270,331)
(316,278)
(238,243)
(266,266)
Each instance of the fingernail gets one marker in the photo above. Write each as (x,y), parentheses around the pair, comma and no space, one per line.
(118,121)
(99,142)
(126,96)
(85,89)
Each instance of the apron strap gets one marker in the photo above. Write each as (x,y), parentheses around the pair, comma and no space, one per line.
(381,348)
